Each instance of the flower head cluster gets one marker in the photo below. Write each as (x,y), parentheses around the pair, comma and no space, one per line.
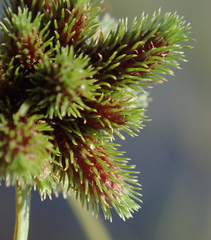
(67,86)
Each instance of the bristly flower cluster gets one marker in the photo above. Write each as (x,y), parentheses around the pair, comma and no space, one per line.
(67,86)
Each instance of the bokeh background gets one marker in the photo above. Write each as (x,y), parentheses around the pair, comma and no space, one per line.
(172,152)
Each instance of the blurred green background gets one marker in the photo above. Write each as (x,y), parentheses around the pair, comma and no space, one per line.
(172,152)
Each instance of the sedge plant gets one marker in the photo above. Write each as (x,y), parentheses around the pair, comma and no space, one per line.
(69,83)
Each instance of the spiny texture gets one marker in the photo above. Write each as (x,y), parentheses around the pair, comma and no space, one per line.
(20,139)
(67,85)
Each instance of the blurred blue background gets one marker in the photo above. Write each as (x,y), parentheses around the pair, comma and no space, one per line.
(172,152)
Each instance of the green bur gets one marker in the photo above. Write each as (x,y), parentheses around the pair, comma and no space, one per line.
(67,85)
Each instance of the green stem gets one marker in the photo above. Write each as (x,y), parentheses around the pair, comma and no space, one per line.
(23,198)
(94,229)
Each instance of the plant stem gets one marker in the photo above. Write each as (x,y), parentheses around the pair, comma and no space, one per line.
(22,213)
(94,229)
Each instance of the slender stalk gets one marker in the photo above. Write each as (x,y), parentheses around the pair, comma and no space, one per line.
(22,213)
(94,229)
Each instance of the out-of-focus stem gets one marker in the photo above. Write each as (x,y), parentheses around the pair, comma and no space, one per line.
(93,228)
